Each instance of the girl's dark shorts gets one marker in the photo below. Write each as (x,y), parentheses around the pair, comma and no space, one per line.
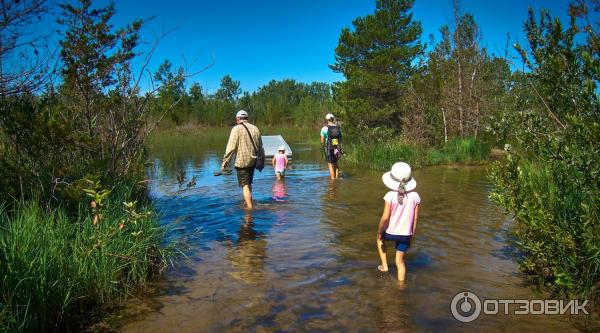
(245,176)
(402,242)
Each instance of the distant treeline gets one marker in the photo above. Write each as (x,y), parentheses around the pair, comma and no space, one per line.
(286,102)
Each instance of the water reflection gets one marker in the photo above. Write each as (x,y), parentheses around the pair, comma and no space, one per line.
(280,190)
(330,194)
(247,255)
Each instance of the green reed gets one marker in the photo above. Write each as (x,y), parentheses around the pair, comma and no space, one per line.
(55,269)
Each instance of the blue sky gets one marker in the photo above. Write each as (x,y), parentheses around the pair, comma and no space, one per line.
(257,41)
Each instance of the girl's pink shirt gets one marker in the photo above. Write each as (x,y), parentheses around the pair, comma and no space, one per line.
(280,160)
(402,216)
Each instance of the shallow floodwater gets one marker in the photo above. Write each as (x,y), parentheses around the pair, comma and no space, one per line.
(305,258)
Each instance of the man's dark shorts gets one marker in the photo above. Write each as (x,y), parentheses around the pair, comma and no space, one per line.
(245,176)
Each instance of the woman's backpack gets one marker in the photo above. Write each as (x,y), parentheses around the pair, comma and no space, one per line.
(334,133)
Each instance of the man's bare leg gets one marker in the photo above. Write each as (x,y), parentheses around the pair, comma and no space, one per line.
(247,190)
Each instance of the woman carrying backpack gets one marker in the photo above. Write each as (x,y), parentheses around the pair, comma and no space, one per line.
(331,142)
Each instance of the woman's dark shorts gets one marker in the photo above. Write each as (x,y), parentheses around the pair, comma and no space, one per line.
(402,242)
(331,158)
(245,176)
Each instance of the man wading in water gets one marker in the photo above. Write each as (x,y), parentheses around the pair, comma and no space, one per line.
(246,144)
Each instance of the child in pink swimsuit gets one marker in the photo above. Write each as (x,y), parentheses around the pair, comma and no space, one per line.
(280,162)
(400,212)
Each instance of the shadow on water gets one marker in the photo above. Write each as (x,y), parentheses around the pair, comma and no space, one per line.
(305,258)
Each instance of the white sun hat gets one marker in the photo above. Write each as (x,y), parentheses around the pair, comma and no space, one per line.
(242,114)
(281,148)
(329,116)
(400,173)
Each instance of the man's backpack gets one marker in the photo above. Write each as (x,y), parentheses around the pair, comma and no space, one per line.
(334,133)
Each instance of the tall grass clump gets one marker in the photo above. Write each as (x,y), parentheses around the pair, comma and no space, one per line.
(459,150)
(382,155)
(55,269)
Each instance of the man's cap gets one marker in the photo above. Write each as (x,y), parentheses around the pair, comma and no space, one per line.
(242,114)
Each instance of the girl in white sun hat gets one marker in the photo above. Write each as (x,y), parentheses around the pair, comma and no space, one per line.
(280,162)
(400,212)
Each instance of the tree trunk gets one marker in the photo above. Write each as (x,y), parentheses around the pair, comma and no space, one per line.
(445,127)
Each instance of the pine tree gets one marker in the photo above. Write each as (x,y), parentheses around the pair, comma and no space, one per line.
(377,58)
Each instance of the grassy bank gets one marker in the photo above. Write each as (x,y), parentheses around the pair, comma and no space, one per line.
(56,270)
(382,156)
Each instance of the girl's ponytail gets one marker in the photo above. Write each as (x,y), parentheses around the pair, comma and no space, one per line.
(401,187)
(402,190)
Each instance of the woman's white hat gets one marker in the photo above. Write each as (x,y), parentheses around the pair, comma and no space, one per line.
(400,173)
(281,148)
(329,116)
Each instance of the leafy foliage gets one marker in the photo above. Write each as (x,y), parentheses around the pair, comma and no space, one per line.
(78,142)
(550,181)
(93,126)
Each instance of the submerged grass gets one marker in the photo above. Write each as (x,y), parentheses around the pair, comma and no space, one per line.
(55,269)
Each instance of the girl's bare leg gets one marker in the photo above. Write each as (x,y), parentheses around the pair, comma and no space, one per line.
(400,265)
(382,255)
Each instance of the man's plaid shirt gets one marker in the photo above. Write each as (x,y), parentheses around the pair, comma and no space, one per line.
(240,145)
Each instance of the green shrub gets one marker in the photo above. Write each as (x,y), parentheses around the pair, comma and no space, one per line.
(556,223)
(550,180)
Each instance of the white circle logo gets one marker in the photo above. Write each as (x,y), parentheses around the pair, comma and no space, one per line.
(465,306)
